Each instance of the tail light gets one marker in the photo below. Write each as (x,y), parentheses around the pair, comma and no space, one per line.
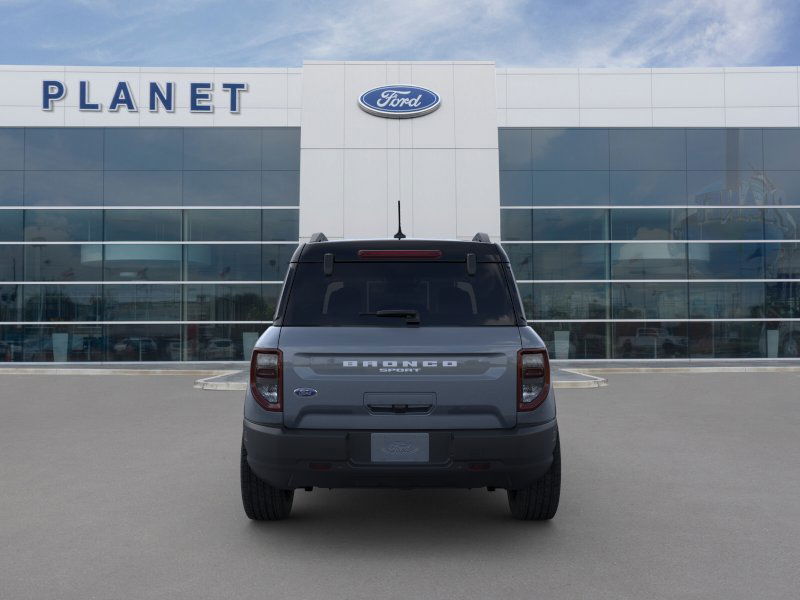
(533,368)
(266,378)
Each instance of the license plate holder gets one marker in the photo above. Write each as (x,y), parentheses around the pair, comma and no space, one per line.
(400,447)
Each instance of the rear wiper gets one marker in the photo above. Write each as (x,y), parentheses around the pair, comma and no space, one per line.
(412,316)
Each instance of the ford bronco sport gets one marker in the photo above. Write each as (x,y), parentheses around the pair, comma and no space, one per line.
(400,363)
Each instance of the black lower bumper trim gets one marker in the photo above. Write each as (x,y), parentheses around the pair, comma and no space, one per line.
(298,458)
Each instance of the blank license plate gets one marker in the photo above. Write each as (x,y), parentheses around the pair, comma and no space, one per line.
(400,447)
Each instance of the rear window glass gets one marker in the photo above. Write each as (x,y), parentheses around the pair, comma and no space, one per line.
(441,294)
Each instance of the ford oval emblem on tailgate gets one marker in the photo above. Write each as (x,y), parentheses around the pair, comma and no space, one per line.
(305,392)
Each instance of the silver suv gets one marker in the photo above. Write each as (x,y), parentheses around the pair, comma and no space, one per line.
(400,363)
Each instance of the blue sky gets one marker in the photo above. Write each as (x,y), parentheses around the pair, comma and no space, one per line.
(584,33)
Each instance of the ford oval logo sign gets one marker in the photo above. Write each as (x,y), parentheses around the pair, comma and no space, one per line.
(305,392)
(399,101)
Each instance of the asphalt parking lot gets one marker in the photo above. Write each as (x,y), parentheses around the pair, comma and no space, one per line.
(675,486)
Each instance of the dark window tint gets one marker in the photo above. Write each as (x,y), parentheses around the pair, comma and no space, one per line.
(63,149)
(222,341)
(223,225)
(782,148)
(60,343)
(142,225)
(726,300)
(726,224)
(783,299)
(570,149)
(782,261)
(10,226)
(280,148)
(143,148)
(142,302)
(12,144)
(11,267)
(280,188)
(731,188)
(648,187)
(275,260)
(142,188)
(516,188)
(233,262)
(442,294)
(726,261)
(648,149)
(555,225)
(279,225)
(142,262)
(648,261)
(555,188)
(652,339)
(574,340)
(637,300)
(515,149)
(648,224)
(11,188)
(62,303)
(724,149)
(727,340)
(63,262)
(218,302)
(565,300)
(143,342)
(782,187)
(63,225)
(63,188)
(222,148)
(570,261)
(232,188)
(10,306)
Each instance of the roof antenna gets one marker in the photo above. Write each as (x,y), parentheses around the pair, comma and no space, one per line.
(399,235)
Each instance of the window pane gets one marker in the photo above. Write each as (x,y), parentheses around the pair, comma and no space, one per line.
(237,262)
(220,188)
(63,148)
(142,225)
(222,148)
(143,188)
(516,188)
(143,148)
(67,262)
(648,187)
(726,261)
(726,300)
(64,188)
(783,340)
(783,187)
(280,148)
(11,263)
(11,188)
(654,339)
(514,149)
(726,224)
(782,223)
(554,225)
(223,225)
(730,188)
(565,300)
(12,145)
(142,302)
(648,224)
(570,149)
(231,302)
(520,256)
(280,188)
(781,148)
(10,309)
(783,261)
(11,341)
(570,261)
(722,339)
(783,299)
(143,342)
(62,343)
(574,340)
(222,342)
(275,260)
(648,149)
(62,303)
(153,262)
(10,226)
(570,187)
(637,300)
(63,225)
(724,149)
(280,224)
(648,261)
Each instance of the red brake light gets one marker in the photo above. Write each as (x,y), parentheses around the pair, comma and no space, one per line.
(533,378)
(399,254)
(266,378)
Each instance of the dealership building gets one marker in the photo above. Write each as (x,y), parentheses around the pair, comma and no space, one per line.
(148,214)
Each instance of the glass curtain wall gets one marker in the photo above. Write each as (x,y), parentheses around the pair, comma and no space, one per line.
(143,244)
(655,243)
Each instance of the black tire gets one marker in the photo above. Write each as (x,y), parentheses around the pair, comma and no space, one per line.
(539,501)
(261,501)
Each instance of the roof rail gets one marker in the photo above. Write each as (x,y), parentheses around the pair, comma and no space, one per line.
(317,237)
(482,237)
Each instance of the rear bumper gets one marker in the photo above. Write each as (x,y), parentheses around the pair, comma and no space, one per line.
(296,458)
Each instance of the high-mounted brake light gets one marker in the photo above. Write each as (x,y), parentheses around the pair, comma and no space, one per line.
(266,378)
(399,254)
(533,378)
